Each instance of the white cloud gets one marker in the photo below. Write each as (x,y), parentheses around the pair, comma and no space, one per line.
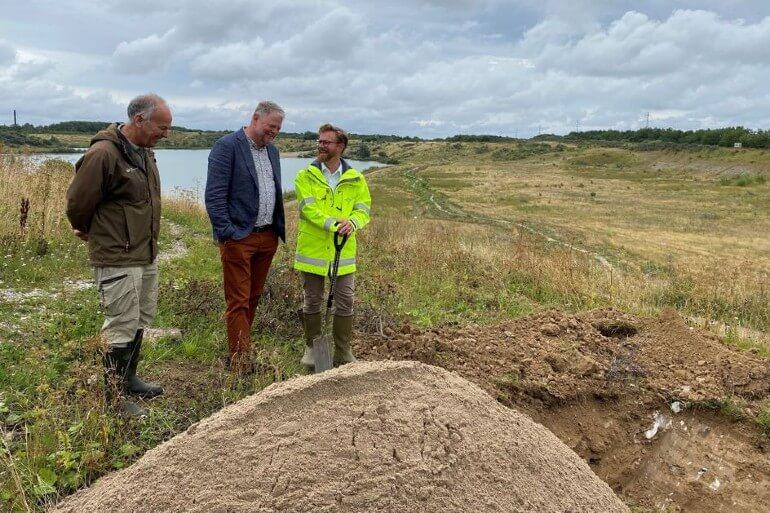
(318,45)
(637,45)
(7,53)
(144,55)
(428,122)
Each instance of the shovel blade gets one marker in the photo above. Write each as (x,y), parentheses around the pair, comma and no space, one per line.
(322,353)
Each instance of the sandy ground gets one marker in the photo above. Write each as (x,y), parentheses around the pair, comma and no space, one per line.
(378,436)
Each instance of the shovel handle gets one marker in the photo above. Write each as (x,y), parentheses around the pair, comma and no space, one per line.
(334,267)
(337,244)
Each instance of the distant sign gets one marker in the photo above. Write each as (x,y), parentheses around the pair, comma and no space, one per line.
(738,145)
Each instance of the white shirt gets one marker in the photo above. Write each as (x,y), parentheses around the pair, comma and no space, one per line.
(332,177)
(265,183)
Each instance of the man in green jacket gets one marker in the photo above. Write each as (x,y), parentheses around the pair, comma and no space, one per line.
(332,197)
(113,203)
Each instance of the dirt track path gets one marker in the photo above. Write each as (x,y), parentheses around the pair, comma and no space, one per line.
(440,206)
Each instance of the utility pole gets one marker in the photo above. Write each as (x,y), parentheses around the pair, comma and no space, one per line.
(14,118)
(647,121)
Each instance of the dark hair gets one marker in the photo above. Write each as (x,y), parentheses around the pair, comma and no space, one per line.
(342,136)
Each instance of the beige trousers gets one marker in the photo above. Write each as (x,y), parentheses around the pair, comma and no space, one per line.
(315,298)
(129,298)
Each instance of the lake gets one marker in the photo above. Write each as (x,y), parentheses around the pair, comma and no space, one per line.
(186,169)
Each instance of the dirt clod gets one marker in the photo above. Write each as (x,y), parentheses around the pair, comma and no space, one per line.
(597,378)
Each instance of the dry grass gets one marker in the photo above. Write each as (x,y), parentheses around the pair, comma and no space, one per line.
(37,244)
(439,271)
(472,236)
(675,236)
(624,205)
(44,187)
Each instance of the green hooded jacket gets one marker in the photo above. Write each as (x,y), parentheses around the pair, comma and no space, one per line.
(115,199)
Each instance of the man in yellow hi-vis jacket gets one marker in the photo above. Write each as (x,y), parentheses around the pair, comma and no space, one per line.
(332,197)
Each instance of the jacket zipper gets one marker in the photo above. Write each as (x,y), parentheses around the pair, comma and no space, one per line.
(127,155)
(152,210)
(128,233)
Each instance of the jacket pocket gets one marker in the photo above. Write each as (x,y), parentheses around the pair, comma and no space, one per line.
(135,183)
(138,218)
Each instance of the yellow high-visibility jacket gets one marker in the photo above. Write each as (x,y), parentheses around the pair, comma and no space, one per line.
(320,207)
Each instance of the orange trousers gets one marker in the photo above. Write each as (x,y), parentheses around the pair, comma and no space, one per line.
(245,264)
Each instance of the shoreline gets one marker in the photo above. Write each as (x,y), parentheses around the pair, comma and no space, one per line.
(38,151)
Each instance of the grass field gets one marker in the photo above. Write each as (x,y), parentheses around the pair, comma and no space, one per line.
(461,233)
(685,230)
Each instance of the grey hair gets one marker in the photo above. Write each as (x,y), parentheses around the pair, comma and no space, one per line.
(144,105)
(266,107)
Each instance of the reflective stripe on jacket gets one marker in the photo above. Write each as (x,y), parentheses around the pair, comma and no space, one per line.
(320,207)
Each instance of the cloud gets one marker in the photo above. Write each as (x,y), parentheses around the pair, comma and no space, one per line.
(417,67)
(317,45)
(7,53)
(636,45)
(428,122)
(34,69)
(144,55)
(43,101)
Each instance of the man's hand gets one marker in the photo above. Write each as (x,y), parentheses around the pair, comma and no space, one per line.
(344,227)
(80,235)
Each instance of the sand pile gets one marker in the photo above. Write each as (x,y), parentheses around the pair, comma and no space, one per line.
(380,436)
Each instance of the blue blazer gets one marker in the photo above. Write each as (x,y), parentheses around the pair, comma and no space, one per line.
(232,193)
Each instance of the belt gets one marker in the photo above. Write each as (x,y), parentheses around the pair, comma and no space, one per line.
(263,228)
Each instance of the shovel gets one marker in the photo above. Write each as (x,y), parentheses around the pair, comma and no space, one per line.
(323,345)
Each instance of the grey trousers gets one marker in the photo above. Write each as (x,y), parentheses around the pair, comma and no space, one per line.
(129,298)
(315,299)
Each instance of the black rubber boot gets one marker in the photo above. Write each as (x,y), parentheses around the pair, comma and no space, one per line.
(116,360)
(134,385)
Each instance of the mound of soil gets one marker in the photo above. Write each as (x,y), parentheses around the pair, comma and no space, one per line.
(602,380)
(380,436)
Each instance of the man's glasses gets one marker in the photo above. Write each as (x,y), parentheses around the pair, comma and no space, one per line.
(321,142)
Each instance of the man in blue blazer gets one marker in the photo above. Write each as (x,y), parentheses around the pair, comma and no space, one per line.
(244,201)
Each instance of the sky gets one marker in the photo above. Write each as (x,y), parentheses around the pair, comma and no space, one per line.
(427,68)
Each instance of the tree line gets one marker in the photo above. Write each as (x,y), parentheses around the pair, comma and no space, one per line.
(748,138)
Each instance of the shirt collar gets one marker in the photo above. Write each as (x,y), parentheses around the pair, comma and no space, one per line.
(254,144)
(131,145)
(329,171)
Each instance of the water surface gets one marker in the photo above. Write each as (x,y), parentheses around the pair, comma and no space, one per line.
(186,169)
